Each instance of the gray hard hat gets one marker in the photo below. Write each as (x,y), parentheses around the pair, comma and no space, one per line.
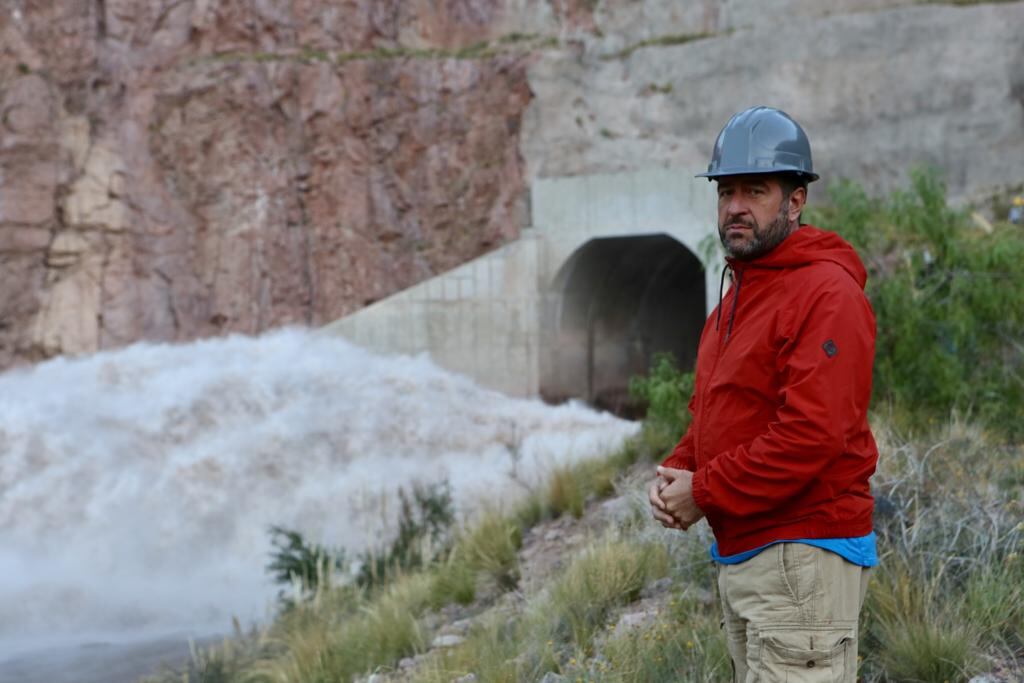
(761,140)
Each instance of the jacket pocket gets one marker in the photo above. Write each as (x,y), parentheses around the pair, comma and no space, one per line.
(801,653)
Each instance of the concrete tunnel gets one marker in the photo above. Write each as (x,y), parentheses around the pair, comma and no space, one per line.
(614,304)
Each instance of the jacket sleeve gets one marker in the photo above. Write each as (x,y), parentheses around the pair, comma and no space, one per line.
(682,456)
(824,365)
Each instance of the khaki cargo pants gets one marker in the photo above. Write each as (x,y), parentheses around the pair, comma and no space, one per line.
(791,615)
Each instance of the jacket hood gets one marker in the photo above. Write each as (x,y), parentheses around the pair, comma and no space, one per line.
(808,245)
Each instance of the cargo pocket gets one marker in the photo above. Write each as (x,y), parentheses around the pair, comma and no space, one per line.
(799,653)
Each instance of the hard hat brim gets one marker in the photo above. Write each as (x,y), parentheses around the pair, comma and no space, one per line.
(711,175)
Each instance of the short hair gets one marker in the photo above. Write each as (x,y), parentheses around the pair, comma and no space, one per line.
(791,181)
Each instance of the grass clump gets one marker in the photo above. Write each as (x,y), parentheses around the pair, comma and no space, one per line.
(326,641)
(566,493)
(569,488)
(994,600)
(491,548)
(913,630)
(601,578)
(685,646)
(928,651)
(454,581)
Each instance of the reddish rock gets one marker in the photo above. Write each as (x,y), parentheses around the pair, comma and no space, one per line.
(176,170)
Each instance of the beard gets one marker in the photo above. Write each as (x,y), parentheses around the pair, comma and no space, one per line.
(762,240)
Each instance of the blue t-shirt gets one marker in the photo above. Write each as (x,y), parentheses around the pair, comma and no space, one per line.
(861,550)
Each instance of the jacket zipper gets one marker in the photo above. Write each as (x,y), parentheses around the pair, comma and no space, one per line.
(719,349)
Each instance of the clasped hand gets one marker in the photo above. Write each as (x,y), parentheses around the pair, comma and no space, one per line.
(671,498)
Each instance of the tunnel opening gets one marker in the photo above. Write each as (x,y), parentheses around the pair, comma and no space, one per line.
(614,305)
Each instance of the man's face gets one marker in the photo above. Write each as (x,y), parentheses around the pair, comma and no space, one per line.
(753,215)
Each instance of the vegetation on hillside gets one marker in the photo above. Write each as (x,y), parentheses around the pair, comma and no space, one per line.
(636,602)
(948,302)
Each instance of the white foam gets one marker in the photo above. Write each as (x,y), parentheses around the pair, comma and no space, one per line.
(137,486)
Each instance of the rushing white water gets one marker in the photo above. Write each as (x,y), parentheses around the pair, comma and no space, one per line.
(137,486)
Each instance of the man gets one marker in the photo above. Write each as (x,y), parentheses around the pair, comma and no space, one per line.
(779,452)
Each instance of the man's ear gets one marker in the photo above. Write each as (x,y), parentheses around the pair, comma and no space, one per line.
(797,199)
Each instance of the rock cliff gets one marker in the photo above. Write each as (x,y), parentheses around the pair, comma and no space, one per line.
(173,169)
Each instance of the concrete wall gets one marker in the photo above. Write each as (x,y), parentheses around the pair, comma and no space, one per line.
(489,318)
(479,319)
(571,211)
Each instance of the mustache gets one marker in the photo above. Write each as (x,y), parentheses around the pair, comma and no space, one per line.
(752,225)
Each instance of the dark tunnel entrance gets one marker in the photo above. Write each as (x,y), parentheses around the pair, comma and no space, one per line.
(615,304)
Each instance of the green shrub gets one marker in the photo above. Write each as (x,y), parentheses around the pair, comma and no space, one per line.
(424,535)
(665,392)
(950,313)
(296,562)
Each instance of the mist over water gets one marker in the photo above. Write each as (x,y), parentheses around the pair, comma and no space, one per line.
(137,486)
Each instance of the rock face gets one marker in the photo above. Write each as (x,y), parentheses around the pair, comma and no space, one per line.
(879,87)
(172,170)
(177,169)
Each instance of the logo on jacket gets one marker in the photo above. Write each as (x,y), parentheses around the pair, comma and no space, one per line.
(830,348)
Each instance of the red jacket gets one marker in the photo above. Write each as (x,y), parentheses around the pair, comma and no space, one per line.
(779,443)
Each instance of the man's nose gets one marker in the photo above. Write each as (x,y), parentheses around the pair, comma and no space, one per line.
(736,206)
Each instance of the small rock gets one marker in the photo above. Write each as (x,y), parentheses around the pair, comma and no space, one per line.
(406,663)
(460,627)
(616,508)
(552,677)
(447,640)
(633,620)
(656,588)
(704,596)
(553,535)
(468,678)
(984,678)
(377,678)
